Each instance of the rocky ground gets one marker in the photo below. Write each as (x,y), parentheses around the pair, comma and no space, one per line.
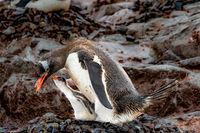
(154,41)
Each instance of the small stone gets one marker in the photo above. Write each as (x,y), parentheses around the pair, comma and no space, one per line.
(125,128)
(86,128)
(62,127)
(68,121)
(84,33)
(121,61)
(157,127)
(77,129)
(122,29)
(55,130)
(178,5)
(64,124)
(42,24)
(50,117)
(136,29)
(52,127)
(37,128)
(98,130)
(9,30)
(130,38)
(49,128)
(120,51)
(65,28)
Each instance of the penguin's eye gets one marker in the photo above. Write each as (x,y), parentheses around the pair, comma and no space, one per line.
(41,68)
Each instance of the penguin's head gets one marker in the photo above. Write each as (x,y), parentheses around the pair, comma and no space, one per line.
(55,60)
(47,67)
(43,66)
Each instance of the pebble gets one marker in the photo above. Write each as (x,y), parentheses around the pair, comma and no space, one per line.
(52,127)
(10,30)
(122,29)
(42,24)
(49,128)
(55,130)
(98,130)
(130,38)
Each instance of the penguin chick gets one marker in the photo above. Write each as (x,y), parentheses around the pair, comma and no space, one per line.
(83,108)
(102,81)
(43,5)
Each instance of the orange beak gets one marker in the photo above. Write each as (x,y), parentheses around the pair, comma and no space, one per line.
(40,81)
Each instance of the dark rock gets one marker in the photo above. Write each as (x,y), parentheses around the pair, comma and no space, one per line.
(10,30)
(49,128)
(191,62)
(122,29)
(55,131)
(98,130)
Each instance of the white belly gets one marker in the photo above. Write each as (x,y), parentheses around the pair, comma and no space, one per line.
(80,77)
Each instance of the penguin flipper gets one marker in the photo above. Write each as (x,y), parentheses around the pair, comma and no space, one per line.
(95,71)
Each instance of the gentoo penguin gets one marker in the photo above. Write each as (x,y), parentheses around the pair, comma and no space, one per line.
(83,108)
(43,5)
(101,80)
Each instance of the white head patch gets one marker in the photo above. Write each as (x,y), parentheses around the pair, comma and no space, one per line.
(45,65)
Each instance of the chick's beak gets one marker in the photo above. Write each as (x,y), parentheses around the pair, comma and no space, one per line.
(40,81)
(54,77)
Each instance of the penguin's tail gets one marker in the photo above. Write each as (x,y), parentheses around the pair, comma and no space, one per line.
(160,94)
